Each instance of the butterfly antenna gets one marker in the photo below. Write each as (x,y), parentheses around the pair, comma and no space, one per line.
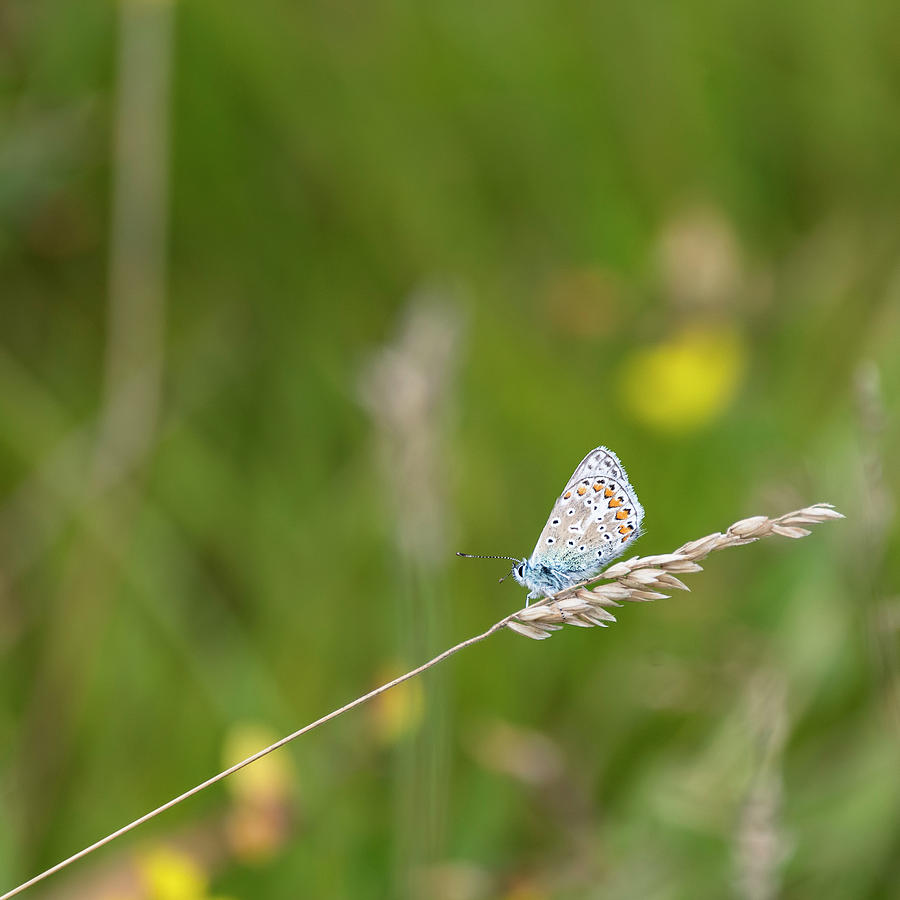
(481,556)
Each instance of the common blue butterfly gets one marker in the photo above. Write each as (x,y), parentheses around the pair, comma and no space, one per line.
(595,517)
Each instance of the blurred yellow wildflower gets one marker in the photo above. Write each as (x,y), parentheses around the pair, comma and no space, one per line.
(398,712)
(260,820)
(170,874)
(268,778)
(685,381)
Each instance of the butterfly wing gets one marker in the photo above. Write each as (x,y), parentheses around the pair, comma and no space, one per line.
(593,520)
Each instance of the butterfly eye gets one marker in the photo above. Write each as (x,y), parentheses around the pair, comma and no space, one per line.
(521,570)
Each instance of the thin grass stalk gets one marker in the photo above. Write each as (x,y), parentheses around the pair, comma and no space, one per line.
(258,755)
(577,606)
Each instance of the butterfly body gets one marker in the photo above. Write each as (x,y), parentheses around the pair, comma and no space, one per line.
(593,520)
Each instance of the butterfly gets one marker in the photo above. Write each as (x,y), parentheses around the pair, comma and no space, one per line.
(593,520)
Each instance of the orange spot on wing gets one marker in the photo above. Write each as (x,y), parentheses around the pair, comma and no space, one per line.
(623,529)
(597,487)
(608,492)
(622,514)
(615,502)
(582,491)
(566,495)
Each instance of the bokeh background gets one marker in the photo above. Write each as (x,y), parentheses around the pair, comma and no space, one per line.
(299,299)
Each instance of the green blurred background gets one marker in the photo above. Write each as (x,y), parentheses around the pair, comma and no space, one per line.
(299,299)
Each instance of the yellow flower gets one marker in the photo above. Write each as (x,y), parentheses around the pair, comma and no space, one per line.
(685,381)
(261,818)
(268,779)
(170,874)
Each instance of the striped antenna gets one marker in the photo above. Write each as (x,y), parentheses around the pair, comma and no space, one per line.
(480,556)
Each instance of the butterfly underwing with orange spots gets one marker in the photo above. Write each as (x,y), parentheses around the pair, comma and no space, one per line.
(595,518)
